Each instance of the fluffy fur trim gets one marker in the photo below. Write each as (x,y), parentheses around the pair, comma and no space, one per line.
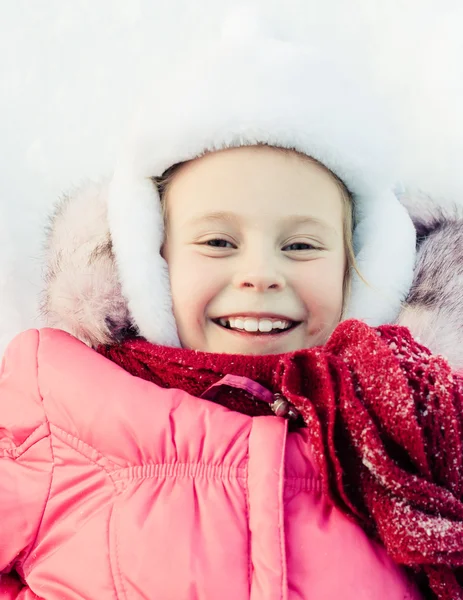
(82,291)
(272,92)
(434,307)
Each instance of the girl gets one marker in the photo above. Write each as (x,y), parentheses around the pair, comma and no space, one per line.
(230,437)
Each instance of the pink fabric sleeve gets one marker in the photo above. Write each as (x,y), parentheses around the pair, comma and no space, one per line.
(26,460)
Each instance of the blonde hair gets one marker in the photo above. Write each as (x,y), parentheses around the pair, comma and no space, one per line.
(163,182)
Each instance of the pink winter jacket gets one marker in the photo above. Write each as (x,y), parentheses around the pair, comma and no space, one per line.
(111,487)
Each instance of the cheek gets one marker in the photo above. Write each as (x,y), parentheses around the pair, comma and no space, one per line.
(194,280)
(322,287)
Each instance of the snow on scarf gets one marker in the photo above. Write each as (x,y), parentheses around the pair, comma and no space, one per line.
(387,423)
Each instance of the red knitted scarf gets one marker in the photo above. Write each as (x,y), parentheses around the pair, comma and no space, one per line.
(386,419)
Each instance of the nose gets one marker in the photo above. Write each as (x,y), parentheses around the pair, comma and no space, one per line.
(260,279)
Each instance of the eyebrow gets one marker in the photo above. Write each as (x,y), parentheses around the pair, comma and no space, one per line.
(215,216)
(288,221)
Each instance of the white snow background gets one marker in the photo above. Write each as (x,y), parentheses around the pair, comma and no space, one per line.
(71,72)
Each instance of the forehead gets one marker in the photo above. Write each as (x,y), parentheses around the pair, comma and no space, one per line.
(254,182)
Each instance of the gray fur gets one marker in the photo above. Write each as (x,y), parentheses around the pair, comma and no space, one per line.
(434,307)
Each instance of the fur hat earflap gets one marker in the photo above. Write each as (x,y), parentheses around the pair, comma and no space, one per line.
(82,290)
(433,310)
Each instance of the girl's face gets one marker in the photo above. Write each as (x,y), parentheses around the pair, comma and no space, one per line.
(255,249)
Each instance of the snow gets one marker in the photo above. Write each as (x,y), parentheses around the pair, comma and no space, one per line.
(72,71)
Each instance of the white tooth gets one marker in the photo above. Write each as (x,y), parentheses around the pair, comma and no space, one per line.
(237,323)
(265,325)
(223,322)
(281,324)
(251,325)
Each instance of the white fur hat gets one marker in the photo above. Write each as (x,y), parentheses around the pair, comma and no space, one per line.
(245,92)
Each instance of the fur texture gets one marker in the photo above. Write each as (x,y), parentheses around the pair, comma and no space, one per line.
(82,291)
(434,307)
(83,294)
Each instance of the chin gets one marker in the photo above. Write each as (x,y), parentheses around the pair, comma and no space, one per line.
(257,346)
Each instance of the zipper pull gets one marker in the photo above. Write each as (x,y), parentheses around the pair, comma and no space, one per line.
(278,403)
(282,408)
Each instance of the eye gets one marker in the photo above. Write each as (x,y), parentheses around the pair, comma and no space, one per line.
(299,246)
(219,243)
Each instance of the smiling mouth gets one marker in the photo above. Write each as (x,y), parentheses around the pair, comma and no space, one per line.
(255,326)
